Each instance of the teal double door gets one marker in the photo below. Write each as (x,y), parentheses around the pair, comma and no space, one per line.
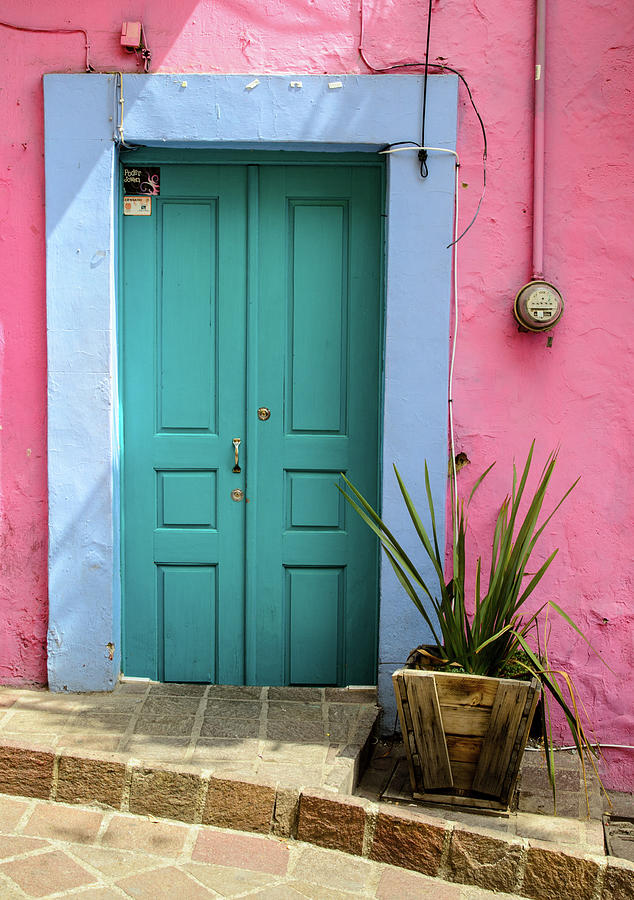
(250,332)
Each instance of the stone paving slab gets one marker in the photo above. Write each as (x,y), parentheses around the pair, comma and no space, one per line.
(304,737)
(99,855)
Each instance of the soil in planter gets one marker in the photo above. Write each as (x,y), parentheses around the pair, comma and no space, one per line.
(518,668)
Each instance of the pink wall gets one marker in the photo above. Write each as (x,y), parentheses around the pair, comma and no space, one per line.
(509,386)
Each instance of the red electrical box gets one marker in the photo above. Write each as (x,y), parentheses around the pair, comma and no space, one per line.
(131,35)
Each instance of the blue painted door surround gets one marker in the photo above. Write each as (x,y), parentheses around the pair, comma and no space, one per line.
(217,111)
(251,286)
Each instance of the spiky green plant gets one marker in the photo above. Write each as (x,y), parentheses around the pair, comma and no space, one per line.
(495,634)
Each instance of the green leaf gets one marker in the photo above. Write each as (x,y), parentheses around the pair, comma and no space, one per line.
(433,553)
(478,483)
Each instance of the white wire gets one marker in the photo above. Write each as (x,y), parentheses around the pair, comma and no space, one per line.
(600,745)
(414,146)
(121,102)
(454,510)
(454,494)
(119,128)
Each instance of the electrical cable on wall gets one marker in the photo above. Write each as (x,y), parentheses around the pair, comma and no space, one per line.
(119,138)
(597,744)
(423,152)
(441,67)
(33,28)
(454,247)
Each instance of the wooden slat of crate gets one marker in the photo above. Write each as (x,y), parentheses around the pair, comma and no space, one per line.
(464,753)
(463,773)
(522,737)
(464,749)
(411,739)
(453,801)
(499,741)
(428,731)
(465,690)
(455,721)
(402,706)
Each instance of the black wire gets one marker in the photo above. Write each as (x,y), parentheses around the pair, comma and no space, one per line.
(387,147)
(485,151)
(422,154)
(443,68)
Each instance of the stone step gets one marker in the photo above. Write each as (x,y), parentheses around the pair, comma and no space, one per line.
(301,737)
(402,837)
(323,815)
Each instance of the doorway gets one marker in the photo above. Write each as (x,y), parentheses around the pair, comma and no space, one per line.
(251,365)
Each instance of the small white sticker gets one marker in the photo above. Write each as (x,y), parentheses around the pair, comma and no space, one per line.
(252,84)
(333,85)
(137,206)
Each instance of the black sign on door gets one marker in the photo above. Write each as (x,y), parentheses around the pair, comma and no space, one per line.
(142,180)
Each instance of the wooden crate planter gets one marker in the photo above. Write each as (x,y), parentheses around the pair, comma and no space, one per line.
(464,735)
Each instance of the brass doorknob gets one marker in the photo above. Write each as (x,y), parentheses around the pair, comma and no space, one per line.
(264,413)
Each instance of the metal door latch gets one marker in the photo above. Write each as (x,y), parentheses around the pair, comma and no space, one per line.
(236,449)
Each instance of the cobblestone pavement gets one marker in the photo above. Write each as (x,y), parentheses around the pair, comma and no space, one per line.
(310,737)
(55,850)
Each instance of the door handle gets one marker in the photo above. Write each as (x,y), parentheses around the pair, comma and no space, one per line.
(236,449)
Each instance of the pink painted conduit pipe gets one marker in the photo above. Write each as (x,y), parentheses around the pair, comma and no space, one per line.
(538,141)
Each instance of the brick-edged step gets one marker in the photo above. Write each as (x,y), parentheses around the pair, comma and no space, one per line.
(378,831)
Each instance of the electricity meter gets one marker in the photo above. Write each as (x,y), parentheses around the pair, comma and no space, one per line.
(538,306)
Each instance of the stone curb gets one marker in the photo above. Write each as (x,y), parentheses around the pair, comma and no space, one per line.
(400,837)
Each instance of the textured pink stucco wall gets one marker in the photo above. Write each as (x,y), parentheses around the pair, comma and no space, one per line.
(509,387)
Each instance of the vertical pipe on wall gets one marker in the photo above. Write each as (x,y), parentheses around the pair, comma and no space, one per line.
(538,141)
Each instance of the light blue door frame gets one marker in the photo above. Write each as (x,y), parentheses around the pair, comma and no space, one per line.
(222,112)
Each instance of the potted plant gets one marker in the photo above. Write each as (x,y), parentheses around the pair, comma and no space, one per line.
(466,704)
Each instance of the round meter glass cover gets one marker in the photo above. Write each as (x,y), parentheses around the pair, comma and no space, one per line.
(542,304)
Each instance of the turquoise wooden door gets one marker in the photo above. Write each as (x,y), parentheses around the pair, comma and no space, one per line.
(251,288)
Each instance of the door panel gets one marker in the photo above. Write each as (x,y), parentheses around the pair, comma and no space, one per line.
(319,271)
(281,587)
(187,595)
(184,273)
(317,314)
(186,330)
(314,654)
